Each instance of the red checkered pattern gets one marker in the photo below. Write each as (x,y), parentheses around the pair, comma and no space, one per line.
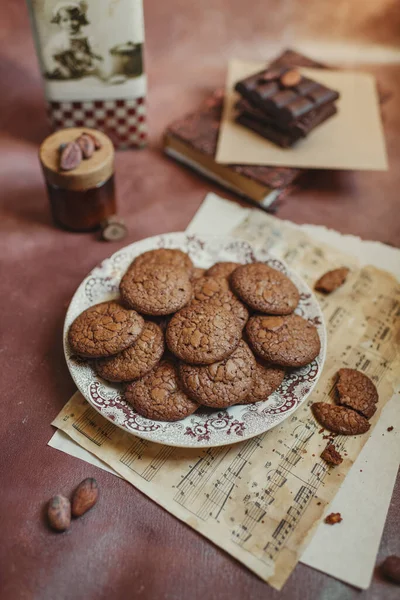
(124,121)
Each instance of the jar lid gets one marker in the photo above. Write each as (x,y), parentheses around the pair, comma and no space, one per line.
(89,173)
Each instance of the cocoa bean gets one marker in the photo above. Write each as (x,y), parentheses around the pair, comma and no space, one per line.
(290,78)
(97,143)
(391,568)
(84,497)
(59,513)
(86,144)
(71,156)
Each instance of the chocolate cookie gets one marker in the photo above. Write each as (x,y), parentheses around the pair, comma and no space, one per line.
(203,333)
(170,257)
(222,269)
(357,391)
(289,341)
(197,272)
(158,395)
(267,378)
(217,291)
(159,290)
(330,281)
(265,289)
(104,329)
(222,383)
(205,288)
(137,360)
(339,419)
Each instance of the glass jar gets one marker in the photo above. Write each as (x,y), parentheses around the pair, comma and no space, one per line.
(83,197)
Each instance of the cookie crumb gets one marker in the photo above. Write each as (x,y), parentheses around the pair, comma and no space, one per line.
(319,503)
(390,428)
(331,455)
(321,430)
(333,518)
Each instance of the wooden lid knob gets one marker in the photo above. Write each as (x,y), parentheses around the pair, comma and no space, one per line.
(89,173)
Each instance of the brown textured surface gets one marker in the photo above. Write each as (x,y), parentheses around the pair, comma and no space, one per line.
(204,288)
(289,341)
(339,419)
(333,519)
(330,281)
(357,391)
(171,257)
(197,272)
(104,329)
(203,333)
(223,383)
(138,359)
(111,552)
(390,568)
(222,269)
(267,378)
(331,455)
(216,290)
(155,289)
(158,395)
(265,289)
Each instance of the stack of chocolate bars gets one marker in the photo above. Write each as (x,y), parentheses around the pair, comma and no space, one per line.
(192,140)
(282,105)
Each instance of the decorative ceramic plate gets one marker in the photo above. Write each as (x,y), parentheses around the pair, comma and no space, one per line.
(206,427)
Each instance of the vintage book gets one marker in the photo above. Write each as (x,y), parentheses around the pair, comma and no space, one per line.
(192,140)
(91,57)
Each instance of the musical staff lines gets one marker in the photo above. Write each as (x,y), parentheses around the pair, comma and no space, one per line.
(192,484)
(223,487)
(88,426)
(257,504)
(205,495)
(135,453)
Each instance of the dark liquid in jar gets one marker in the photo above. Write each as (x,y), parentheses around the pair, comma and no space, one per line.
(82,210)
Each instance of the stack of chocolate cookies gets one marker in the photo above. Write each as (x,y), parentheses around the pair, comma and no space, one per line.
(282,105)
(181,336)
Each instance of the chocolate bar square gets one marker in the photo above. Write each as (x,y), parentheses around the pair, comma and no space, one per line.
(284,93)
(282,105)
(287,134)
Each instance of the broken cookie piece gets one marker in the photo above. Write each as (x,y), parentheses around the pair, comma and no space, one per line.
(339,419)
(331,455)
(333,518)
(330,281)
(357,391)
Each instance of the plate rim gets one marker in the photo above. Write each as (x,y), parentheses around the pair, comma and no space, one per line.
(205,443)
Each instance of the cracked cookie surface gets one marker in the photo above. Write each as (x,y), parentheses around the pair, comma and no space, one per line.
(104,329)
(357,391)
(170,257)
(289,341)
(197,272)
(156,290)
(267,378)
(265,289)
(222,383)
(339,419)
(217,291)
(222,269)
(203,333)
(158,395)
(137,360)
